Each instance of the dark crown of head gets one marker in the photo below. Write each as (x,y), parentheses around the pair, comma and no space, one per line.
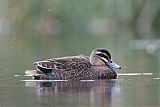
(104,51)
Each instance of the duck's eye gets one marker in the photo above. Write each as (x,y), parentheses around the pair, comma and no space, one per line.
(110,61)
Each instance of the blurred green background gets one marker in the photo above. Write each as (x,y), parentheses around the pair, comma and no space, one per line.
(40,29)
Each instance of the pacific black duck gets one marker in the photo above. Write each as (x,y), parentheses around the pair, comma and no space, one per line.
(98,66)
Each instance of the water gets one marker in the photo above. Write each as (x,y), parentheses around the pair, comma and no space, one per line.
(131,91)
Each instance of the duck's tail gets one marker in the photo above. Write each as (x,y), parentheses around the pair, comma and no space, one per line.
(35,73)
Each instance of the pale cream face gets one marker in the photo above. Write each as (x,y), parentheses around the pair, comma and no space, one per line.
(104,59)
(100,62)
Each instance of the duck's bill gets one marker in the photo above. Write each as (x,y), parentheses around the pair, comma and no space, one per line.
(113,65)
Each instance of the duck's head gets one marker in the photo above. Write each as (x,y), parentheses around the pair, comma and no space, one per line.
(102,57)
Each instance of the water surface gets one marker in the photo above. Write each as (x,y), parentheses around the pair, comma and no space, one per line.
(127,91)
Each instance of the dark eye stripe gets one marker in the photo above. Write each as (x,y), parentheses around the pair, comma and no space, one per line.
(107,53)
(103,55)
(104,51)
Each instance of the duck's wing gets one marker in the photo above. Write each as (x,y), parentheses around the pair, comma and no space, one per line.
(68,65)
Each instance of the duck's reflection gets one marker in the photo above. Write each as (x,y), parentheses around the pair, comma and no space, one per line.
(98,93)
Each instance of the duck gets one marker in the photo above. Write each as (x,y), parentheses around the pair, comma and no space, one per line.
(99,65)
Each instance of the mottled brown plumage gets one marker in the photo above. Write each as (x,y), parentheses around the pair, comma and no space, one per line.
(76,67)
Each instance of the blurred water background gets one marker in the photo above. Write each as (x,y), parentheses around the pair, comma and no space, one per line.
(41,29)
